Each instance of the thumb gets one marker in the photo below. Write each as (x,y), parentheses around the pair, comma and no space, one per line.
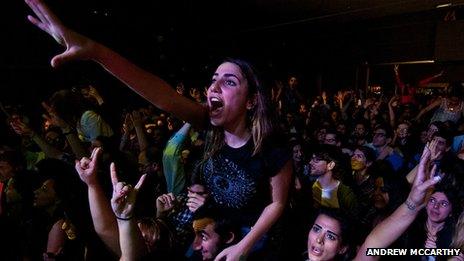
(61,59)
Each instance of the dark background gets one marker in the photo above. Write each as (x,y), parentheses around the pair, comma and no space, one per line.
(328,44)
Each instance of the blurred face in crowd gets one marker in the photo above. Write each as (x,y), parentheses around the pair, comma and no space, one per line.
(402,131)
(55,139)
(45,196)
(324,239)
(359,130)
(380,138)
(341,128)
(438,208)
(331,139)
(320,135)
(292,82)
(297,153)
(381,197)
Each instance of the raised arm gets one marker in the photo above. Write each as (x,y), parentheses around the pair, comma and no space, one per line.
(389,230)
(430,107)
(123,202)
(103,218)
(24,130)
(149,86)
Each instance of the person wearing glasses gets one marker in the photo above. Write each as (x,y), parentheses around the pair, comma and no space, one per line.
(381,139)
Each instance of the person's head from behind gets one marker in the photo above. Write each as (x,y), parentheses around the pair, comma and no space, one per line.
(68,105)
(214,231)
(329,235)
(236,98)
(156,234)
(454,94)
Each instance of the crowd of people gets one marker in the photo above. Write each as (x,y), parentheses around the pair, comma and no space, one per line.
(242,171)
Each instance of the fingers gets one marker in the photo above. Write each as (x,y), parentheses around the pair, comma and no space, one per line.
(95,155)
(37,11)
(429,183)
(114,175)
(38,23)
(140,183)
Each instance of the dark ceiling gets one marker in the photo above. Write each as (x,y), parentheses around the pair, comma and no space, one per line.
(182,38)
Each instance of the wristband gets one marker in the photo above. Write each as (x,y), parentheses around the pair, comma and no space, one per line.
(125,219)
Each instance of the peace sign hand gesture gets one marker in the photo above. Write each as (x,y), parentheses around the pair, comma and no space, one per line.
(77,46)
(124,195)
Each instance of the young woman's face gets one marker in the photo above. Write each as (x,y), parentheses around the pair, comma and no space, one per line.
(438,207)
(324,239)
(228,96)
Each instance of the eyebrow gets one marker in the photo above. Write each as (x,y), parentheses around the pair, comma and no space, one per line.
(229,75)
(328,231)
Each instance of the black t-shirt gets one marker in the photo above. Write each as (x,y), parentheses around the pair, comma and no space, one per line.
(239,181)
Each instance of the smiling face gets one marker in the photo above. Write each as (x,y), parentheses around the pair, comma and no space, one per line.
(228,96)
(438,208)
(324,239)
(207,241)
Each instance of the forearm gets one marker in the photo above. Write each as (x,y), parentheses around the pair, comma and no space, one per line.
(103,218)
(76,145)
(150,87)
(141,137)
(48,149)
(392,116)
(267,218)
(131,240)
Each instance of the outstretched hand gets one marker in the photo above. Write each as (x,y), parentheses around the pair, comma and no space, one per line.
(87,167)
(77,46)
(424,179)
(124,195)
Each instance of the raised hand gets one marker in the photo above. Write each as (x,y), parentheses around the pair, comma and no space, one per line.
(21,128)
(87,167)
(77,46)
(435,153)
(53,117)
(165,203)
(423,180)
(232,253)
(195,200)
(124,195)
